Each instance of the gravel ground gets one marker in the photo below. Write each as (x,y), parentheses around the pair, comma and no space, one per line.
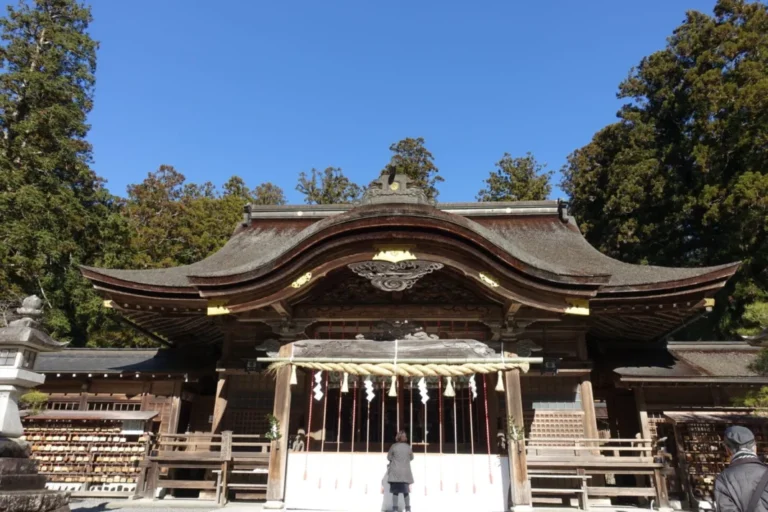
(102,505)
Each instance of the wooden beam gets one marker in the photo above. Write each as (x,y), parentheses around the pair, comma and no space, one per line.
(382,312)
(282,308)
(520,485)
(149,334)
(511,308)
(220,406)
(588,405)
(173,423)
(581,348)
(278,455)
(642,411)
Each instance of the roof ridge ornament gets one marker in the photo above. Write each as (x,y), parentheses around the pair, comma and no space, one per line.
(394,189)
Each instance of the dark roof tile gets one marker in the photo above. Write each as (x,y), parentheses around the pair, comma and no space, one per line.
(113,361)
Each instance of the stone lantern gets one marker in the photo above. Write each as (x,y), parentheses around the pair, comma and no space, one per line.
(22,489)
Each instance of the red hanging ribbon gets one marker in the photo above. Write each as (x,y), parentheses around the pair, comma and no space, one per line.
(487,429)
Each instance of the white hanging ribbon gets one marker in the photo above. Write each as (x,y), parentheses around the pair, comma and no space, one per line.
(393,387)
(370,395)
(294,379)
(423,391)
(318,389)
(473,386)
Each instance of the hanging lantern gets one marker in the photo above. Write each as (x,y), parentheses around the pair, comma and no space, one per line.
(500,383)
(318,389)
(449,392)
(294,379)
(345,383)
(393,387)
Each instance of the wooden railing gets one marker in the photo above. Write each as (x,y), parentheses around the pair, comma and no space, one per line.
(640,449)
(221,455)
(552,457)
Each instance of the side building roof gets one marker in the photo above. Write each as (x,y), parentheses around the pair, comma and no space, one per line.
(116,361)
(691,362)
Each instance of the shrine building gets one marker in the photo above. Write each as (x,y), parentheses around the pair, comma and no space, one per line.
(524,365)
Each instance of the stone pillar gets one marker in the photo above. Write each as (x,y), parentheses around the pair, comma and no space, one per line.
(520,486)
(278,456)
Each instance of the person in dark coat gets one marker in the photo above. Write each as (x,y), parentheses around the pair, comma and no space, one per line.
(735,486)
(399,473)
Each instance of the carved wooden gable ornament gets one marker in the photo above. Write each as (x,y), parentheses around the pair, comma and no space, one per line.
(394,277)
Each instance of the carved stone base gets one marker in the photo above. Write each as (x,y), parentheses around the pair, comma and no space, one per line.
(22,489)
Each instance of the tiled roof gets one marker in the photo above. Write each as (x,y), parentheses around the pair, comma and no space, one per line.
(690,360)
(113,361)
(542,241)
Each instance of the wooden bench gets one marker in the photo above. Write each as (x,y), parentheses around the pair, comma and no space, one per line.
(187,484)
(616,492)
(222,488)
(581,493)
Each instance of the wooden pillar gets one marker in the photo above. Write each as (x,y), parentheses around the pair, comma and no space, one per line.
(642,411)
(520,486)
(278,455)
(588,405)
(401,408)
(173,421)
(146,394)
(581,348)
(83,406)
(493,410)
(220,405)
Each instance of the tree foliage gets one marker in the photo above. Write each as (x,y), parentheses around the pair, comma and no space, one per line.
(517,179)
(755,318)
(414,160)
(328,187)
(53,207)
(756,399)
(173,222)
(682,177)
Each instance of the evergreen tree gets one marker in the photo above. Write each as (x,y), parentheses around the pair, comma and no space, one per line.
(332,188)
(267,194)
(173,222)
(53,207)
(414,160)
(517,179)
(682,177)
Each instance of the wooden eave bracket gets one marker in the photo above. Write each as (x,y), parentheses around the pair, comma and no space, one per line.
(282,308)
(217,307)
(577,307)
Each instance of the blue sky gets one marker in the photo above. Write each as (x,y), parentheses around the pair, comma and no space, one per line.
(265,90)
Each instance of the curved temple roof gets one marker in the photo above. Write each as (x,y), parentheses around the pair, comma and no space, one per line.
(552,249)
(534,250)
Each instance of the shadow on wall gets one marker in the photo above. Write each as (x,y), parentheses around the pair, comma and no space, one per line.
(386,499)
(88,507)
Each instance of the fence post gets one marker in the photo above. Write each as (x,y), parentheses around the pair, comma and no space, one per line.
(662,496)
(153,474)
(141,480)
(226,445)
